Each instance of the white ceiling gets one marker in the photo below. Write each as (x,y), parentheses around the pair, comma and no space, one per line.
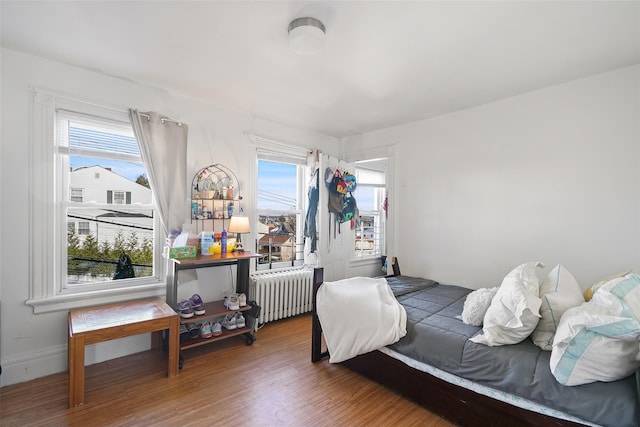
(384,62)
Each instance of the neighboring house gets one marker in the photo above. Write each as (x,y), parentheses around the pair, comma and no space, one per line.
(95,184)
(276,239)
(281,246)
(364,242)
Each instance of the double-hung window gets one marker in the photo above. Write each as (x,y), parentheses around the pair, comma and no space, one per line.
(76,194)
(370,195)
(282,176)
(101,222)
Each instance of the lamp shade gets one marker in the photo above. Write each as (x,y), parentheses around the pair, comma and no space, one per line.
(239,224)
(306,36)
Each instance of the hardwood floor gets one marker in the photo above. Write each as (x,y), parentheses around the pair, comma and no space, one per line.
(271,383)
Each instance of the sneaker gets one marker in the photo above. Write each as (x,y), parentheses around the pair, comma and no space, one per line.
(231,302)
(242,300)
(197,305)
(184,332)
(185,309)
(240,320)
(205,330)
(216,329)
(194,330)
(229,321)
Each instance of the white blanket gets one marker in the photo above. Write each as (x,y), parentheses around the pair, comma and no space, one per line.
(359,315)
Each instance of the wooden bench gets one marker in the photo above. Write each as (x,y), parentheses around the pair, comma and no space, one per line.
(107,322)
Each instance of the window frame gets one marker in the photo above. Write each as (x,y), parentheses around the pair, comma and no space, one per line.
(386,153)
(278,152)
(48,291)
(380,243)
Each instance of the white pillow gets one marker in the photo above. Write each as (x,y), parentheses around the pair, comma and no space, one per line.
(598,340)
(627,290)
(476,305)
(514,310)
(588,293)
(559,292)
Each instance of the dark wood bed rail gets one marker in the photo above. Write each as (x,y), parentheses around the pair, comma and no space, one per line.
(316,329)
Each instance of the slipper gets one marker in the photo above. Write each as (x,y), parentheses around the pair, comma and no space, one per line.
(185,309)
(197,305)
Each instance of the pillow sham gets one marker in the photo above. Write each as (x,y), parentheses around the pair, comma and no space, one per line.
(598,340)
(514,310)
(559,292)
(476,305)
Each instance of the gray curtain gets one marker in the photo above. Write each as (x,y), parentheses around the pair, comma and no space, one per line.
(163,145)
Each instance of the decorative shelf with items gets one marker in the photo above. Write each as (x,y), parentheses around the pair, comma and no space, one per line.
(215,205)
(215,198)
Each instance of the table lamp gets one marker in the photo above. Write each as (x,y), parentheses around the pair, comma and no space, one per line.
(239,224)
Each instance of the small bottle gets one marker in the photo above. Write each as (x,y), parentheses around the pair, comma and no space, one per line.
(224,242)
(230,210)
(217,247)
(206,242)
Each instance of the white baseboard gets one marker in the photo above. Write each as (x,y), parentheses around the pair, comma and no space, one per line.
(53,360)
(26,367)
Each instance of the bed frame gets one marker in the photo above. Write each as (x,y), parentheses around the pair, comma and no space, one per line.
(454,403)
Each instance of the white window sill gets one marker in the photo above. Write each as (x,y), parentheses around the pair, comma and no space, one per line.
(70,301)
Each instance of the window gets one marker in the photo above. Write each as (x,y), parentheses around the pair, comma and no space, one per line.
(90,151)
(370,195)
(76,194)
(83,228)
(120,197)
(281,190)
(102,153)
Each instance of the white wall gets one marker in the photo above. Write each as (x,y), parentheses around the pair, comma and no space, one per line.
(35,345)
(552,175)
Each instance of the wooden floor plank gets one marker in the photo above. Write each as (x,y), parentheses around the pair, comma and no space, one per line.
(270,383)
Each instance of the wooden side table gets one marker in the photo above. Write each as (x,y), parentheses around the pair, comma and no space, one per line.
(107,322)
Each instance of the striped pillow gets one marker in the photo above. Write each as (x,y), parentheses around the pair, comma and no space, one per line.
(599,340)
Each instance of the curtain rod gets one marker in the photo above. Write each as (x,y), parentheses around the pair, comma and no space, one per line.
(162,119)
(276,142)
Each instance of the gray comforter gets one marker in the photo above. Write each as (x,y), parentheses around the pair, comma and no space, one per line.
(436,336)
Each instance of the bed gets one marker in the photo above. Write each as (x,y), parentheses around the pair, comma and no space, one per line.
(471,384)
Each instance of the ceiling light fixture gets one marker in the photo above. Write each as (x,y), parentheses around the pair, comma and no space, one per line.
(306,36)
